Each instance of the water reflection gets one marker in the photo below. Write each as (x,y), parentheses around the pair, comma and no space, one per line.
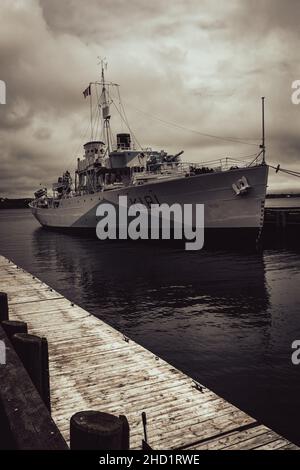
(144,288)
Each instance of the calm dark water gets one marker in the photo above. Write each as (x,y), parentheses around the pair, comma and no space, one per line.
(227,319)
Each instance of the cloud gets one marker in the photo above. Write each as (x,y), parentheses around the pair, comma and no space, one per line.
(197,63)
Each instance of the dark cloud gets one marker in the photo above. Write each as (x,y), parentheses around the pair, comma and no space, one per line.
(201,64)
(42,133)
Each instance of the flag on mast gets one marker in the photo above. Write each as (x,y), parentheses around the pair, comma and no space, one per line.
(87,91)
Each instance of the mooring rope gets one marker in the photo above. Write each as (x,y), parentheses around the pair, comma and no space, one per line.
(285,170)
(178,126)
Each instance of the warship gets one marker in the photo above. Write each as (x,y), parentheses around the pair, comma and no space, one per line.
(233,192)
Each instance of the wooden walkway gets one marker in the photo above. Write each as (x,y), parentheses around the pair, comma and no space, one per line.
(92,366)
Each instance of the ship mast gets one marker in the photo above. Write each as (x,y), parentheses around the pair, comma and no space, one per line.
(263,144)
(105,109)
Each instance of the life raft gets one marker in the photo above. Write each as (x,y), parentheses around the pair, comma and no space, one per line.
(241,186)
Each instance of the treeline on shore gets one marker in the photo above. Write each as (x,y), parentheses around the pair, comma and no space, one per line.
(20,203)
(277,195)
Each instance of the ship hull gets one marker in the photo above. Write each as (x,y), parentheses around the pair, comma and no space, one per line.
(224,210)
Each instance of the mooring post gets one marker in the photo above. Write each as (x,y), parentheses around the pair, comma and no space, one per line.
(12,327)
(33,352)
(3,306)
(45,373)
(99,431)
(125,433)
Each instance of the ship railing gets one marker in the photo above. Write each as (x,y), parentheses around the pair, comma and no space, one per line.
(222,164)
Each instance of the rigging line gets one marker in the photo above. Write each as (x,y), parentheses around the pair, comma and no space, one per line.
(228,139)
(121,121)
(97,125)
(91,111)
(126,119)
(122,108)
(256,157)
(290,173)
(82,136)
(231,159)
(237,159)
(98,111)
(126,123)
(79,145)
(284,170)
(111,133)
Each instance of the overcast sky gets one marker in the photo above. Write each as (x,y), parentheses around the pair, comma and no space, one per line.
(202,64)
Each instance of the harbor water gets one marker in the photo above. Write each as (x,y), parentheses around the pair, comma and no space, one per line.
(227,319)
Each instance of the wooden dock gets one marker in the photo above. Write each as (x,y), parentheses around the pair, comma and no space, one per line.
(94,367)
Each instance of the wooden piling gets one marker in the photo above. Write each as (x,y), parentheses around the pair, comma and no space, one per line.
(12,327)
(25,422)
(125,433)
(33,352)
(3,306)
(95,430)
